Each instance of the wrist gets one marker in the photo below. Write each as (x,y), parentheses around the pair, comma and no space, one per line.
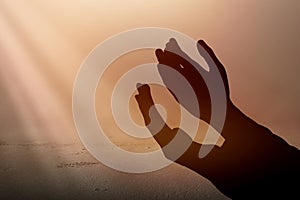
(236,121)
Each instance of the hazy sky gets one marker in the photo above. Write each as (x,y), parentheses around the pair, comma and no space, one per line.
(43,44)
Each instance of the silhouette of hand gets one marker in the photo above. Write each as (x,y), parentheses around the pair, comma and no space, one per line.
(174,57)
(161,132)
(252,163)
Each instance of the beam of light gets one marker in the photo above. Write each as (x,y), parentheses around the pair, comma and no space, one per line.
(37,103)
(31,42)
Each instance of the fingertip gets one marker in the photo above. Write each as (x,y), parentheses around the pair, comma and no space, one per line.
(147,87)
(203,44)
(158,52)
(143,88)
(172,40)
(138,85)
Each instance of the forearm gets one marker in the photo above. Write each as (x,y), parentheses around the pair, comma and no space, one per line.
(269,162)
(238,126)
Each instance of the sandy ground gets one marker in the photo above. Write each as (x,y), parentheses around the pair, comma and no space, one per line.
(69,172)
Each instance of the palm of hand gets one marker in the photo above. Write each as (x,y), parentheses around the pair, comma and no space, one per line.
(174,57)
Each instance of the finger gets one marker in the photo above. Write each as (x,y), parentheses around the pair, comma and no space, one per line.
(173,46)
(146,104)
(181,65)
(165,134)
(183,58)
(158,54)
(143,89)
(174,61)
(167,58)
(208,54)
(174,49)
(144,101)
(213,62)
(167,78)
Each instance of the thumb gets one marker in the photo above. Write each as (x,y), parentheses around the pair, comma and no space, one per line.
(208,54)
(213,62)
(144,100)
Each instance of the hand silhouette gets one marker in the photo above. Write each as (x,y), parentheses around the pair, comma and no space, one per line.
(252,163)
(175,58)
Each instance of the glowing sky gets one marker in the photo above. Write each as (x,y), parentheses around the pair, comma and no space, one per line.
(44,42)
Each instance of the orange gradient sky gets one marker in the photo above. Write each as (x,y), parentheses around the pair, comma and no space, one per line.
(43,44)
